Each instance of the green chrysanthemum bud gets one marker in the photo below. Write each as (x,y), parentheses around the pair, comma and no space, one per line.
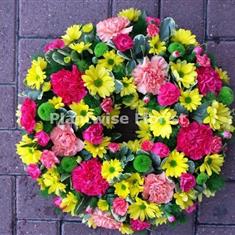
(45,110)
(175,46)
(142,163)
(100,49)
(226,95)
(202,178)
(68,164)
(97,111)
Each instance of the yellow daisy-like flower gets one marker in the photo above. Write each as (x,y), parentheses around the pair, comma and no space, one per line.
(185,73)
(141,109)
(126,229)
(98,150)
(131,14)
(131,101)
(144,210)
(103,205)
(39,126)
(190,99)
(185,37)
(223,75)
(27,151)
(143,132)
(185,199)
(87,28)
(122,189)
(69,203)
(161,220)
(175,164)
(80,47)
(157,47)
(129,86)
(111,119)
(135,184)
(110,60)
(212,163)
(83,113)
(99,81)
(161,121)
(133,145)
(36,76)
(46,86)
(72,33)
(57,102)
(219,117)
(111,169)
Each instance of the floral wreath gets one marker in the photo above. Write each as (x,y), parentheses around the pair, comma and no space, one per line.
(74,96)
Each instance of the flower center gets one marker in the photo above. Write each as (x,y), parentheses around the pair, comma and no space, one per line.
(142,207)
(188,100)
(98,82)
(83,113)
(181,74)
(209,161)
(123,187)
(110,61)
(161,121)
(111,169)
(173,163)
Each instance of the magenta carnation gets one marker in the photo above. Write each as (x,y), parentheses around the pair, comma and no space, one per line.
(55,44)
(94,134)
(87,178)
(138,225)
(68,85)
(123,42)
(187,182)
(160,149)
(42,138)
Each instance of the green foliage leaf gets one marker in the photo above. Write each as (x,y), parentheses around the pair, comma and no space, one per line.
(58,58)
(215,182)
(167,28)
(140,44)
(130,66)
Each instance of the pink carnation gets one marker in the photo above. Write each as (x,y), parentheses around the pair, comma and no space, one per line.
(191,209)
(147,145)
(171,218)
(216,144)
(107,105)
(93,134)
(33,171)
(187,182)
(227,135)
(138,225)
(65,141)
(151,19)
(111,27)
(198,50)
(68,85)
(203,60)
(49,159)
(28,114)
(208,80)
(195,140)
(123,42)
(151,75)
(57,201)
(55,44)
(158,188)
(168,94)
(120,206)
(114,147)
(183,120)
(160,149)
(42,138)
(87,178)
(152,30)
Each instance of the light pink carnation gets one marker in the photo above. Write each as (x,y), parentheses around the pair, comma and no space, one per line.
(49,159)
(111,27)
(42,138)
(33,171)
(120,206)
(203,60)
(55,44)
(158,188)
(138,225)
(151,75)
(65,141)
(152,30)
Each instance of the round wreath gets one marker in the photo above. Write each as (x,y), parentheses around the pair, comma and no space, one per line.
(76,91)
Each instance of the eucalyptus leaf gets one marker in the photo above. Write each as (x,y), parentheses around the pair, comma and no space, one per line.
(140,43)
(118,86)
(156,159)
(48,57)
(201,112)
(74,56)
(118,217)
(123,55)
(191,165)
(63,52)
(58,58)
(130,66)
(33,94)
(180,109)
(64,177)
(167,28)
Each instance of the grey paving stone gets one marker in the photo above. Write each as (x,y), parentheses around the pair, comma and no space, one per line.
(219,209)
(221,17)
(6,205)
(37,227)
(192,17)
(150,6)
(7,107)
(31,205)
(12,163)
(51,17)
(7,40)
(215,230)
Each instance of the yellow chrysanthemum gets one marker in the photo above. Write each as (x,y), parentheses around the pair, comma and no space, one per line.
(143,132)
(36,74)
(185,73)
(81,46)
(131,14)
(111,119)
(141,109)
(129,86)
(87,28)
(46,86)
(212,163)
(57,102)
(122,189)
(99,81)
(110,60)
(219,117)
(69,203)
(161,121)
(223,75)
(111,169)
(103,205)
(98,150)
(131,100)
(157,47)
(51,180)
(126,229)
(39,126)
(135,184)
(133,145)
(185,37)
(72,33)
(185,199)
(161,220)
(83,113)
(27,151)
(175,164)
(190,99)
(144,210)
